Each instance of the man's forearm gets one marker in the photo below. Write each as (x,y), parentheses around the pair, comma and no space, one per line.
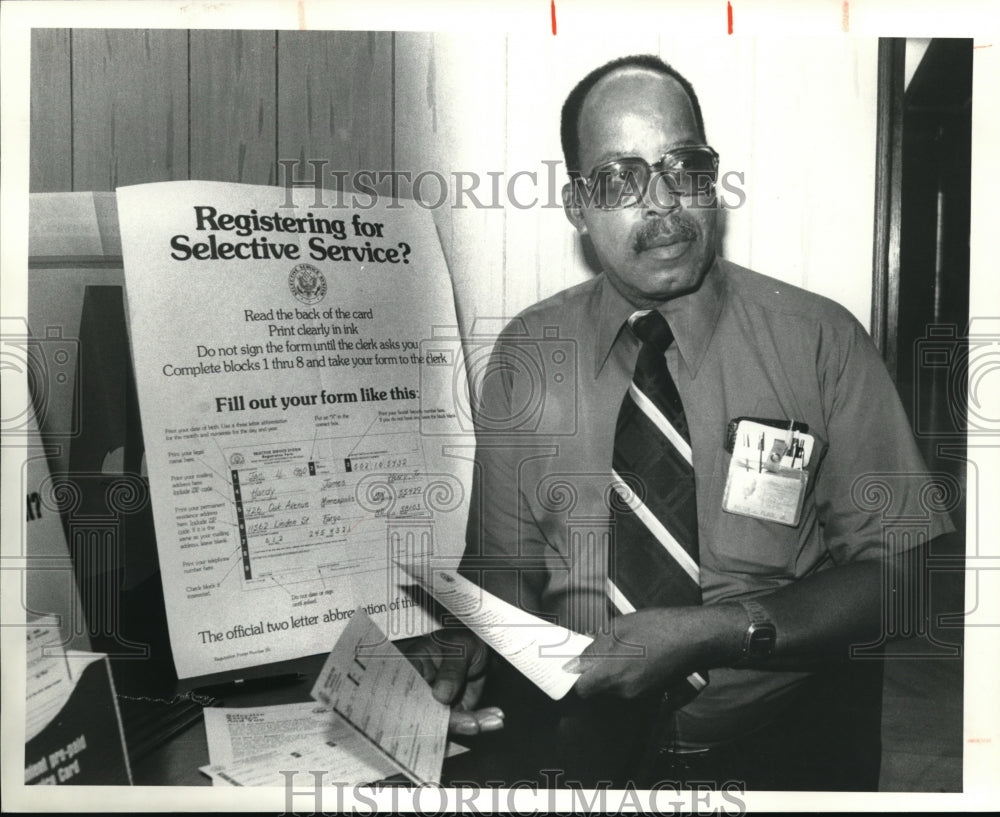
(821,616)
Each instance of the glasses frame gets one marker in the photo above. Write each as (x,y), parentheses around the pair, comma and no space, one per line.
(663,167)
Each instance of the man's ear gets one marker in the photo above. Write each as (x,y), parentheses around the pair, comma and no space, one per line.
(572,208)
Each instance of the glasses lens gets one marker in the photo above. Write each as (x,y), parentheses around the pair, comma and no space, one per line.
(690,171)
(623,183)
(696,159)
(619,184)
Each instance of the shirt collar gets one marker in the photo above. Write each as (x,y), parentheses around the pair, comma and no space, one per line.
(692,319)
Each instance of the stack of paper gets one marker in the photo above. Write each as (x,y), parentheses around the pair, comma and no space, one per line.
(49,679)
(377,717)
(73,729)
(252,746)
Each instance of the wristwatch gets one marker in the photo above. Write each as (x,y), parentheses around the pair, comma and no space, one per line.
(758,643)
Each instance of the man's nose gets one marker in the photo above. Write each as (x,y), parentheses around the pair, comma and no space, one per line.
(661,196)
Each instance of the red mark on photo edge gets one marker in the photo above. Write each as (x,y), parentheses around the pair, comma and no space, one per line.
(552,7)
(845,16)
(729,17)
(988,45)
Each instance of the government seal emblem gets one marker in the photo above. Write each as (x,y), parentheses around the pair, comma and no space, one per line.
(307,283)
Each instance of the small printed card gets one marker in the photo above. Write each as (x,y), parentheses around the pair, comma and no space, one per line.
(371,685)
(767,477)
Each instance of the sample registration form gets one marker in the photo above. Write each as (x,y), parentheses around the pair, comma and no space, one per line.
(300,379)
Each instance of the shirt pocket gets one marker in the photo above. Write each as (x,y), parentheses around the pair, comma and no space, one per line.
(746,544)
(768,408)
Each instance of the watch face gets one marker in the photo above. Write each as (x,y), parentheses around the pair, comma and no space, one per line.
(760,639)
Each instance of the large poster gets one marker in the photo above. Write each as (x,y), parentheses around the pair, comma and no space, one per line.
(298,411)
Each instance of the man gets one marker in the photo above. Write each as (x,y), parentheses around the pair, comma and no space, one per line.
(775,605)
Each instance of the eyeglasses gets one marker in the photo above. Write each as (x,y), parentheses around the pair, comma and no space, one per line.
(687,171)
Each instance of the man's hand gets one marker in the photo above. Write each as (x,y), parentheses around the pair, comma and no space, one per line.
(817,619)
(648,649)
(454,663)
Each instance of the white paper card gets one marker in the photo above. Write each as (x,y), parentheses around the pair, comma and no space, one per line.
(49,681)
(538,648)
(250,746)
(375,689)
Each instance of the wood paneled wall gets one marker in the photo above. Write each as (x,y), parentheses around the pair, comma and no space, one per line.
(118,107)
(795,118)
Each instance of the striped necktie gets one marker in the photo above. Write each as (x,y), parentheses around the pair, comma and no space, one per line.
(654,547)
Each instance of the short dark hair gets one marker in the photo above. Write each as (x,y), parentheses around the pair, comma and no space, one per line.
(570,123)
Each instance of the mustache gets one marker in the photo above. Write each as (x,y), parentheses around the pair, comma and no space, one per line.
(677,226)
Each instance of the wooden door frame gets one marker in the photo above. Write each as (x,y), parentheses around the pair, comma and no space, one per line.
(888,199)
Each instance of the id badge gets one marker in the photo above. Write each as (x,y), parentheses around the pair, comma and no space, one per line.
(767,477)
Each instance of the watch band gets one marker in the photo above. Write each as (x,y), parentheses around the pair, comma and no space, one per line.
(756,613)
(760,636)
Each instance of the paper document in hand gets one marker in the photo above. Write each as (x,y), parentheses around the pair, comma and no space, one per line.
(375,689)
(538,648)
